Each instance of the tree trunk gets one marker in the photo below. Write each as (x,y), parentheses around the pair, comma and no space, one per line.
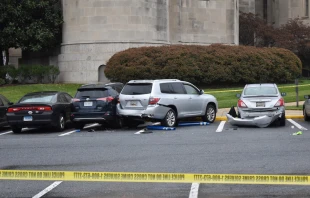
(1,57)
(7,56)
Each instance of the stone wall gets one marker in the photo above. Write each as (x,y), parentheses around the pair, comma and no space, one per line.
(94,30)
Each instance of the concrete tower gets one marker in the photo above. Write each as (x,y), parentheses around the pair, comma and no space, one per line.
(94,30)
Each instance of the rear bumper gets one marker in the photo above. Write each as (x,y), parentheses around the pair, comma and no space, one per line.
(260,121)
(46,119)
(92,117)
(153,112)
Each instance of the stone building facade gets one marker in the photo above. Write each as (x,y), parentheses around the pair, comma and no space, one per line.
(277,12)
(94,30)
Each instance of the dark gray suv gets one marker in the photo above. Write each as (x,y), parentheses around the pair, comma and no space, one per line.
(166,100)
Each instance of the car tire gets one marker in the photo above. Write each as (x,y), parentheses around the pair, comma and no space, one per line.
(16,129)
(210,114)
(170,119)
(118,123)
(282,120)
(79,126)
(61,123)
(306,117)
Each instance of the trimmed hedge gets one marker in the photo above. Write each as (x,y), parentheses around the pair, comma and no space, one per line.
(30,73)
(212,64)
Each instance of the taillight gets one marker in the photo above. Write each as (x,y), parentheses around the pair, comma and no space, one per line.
(280,103)
(153,101)
(38,108)
(75,100)
(241,104)
(107,99)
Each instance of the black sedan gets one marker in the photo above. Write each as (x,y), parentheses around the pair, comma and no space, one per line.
(4,104)
(39,109)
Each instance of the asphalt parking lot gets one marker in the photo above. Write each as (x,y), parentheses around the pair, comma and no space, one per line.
(216,148)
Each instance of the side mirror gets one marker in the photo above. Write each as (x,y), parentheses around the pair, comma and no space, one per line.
(238,95)
(10,103)
(201,92)
(306,96)
(283,94)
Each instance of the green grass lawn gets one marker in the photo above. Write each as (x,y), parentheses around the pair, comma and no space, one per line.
(15,92)
(226,97)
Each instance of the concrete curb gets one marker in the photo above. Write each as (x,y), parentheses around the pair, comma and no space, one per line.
(224,118)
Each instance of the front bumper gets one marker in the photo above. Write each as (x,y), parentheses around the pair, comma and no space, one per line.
(152,111)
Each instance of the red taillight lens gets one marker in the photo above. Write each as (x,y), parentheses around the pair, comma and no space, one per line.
(107,99)
(75,100)
(241,104)
(153,101)
(280,103)
(38,108)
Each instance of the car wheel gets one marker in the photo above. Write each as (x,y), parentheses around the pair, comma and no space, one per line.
(60,123)
(306,117)
(16,129)
(210,114)
(79,126)
(118,123)
(170,119)
(282,120)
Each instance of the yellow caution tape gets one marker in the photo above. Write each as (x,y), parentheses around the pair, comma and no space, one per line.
(154,177)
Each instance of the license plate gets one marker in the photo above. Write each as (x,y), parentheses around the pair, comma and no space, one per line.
(27,118)
(260,104)
(88,104)
(133,103)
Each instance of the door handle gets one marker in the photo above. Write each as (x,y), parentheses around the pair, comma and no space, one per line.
(175,98)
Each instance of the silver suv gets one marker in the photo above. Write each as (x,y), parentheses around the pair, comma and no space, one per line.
(166,100)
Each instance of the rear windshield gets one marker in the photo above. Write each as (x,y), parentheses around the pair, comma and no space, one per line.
(137,89)
(92,93)
(260,91)
(37,98)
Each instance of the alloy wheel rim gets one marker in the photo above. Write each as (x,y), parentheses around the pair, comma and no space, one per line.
(170,118)
(210,114)
(62,122)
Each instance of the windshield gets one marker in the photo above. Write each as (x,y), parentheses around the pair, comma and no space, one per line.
(137,89)
(260,91)
(46,98)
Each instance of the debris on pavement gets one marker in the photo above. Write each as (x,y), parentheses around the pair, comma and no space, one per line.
(298,133)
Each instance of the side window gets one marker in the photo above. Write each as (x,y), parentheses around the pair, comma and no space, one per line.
(166,88)
(191,90)
(62,98)
(1,103)
(178,88)
(112,92)
(68,97)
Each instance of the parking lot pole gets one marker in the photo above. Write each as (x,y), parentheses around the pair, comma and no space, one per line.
(296,83)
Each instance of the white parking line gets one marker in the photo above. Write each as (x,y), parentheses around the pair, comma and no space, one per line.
(68,133)
(6,132)
(46,190)
(220,127)
(297,125)
(194,190)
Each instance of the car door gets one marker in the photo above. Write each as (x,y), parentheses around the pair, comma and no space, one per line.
(307,106)
(2,112)
(180,99)
(195,101)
